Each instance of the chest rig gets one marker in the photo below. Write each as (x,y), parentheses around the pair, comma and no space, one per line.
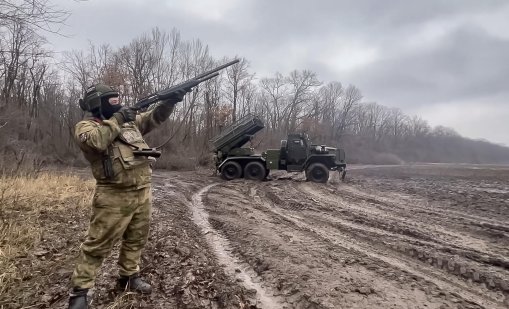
(131,136)
(129,149)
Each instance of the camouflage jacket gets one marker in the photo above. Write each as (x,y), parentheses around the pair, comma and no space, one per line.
(102,140)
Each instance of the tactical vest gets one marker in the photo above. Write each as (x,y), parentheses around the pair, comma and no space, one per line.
(127,170)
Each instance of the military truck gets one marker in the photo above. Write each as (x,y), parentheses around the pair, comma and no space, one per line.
(296,154)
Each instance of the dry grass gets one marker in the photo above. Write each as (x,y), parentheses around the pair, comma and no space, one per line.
(28,205)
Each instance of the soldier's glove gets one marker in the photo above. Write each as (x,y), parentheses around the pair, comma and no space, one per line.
(176,96)
(125,114)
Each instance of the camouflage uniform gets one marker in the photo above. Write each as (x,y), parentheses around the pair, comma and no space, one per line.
(121,206)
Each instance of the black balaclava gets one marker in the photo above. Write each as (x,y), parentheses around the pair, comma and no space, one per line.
(107,110)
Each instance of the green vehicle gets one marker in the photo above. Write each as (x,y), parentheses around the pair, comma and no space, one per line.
(296,154)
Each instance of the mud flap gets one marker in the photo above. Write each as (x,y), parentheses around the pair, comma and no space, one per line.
(343,174)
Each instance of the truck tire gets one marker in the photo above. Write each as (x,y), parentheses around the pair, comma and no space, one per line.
(231,170)
(255,171)
(317,172)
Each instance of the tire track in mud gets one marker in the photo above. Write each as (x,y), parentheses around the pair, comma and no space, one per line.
(390,219)
(321,256)
(222,249)
(323,246)
(439,212)
(479,268)
(394,260)
(384,198)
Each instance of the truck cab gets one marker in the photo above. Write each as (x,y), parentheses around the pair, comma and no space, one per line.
(296,152)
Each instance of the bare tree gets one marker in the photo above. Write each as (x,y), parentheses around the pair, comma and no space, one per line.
(39,14)
(196,61)
(166,56)
(247,97)
(15,57)
(77,66)
(274,91)
(100,60)
(138,61)
(344,116)
(238,78)
(19,25)
(418,127)
(302,84)
(398,122)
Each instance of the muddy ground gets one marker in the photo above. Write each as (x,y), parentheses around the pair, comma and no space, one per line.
(423,236)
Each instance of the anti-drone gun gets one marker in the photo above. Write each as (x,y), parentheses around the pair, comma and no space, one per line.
(187,85)
(169,93)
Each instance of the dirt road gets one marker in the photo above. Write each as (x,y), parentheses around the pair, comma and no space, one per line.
(390,237)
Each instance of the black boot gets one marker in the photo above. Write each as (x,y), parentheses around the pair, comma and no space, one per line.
(133,283)
(78,299)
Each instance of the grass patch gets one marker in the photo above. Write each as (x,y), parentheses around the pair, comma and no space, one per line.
(42,218)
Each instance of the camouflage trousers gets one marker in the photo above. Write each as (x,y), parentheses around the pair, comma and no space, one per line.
(116,214)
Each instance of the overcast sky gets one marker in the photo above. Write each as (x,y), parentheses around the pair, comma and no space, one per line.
(444,60)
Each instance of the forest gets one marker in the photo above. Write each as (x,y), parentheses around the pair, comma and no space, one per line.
(40,90)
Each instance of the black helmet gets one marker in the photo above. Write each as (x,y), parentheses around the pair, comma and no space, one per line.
(93,96)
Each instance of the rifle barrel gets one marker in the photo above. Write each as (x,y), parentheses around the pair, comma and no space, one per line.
(204,78)
(217,69)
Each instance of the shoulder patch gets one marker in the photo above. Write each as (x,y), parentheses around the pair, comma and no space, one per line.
(83,137)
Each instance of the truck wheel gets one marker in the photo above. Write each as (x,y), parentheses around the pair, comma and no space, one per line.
(317,172)
(255,171)
(231,170)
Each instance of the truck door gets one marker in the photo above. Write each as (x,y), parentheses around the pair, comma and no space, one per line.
(297,154)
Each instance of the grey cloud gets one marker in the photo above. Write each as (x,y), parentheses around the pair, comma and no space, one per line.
(465,64)
(367,18)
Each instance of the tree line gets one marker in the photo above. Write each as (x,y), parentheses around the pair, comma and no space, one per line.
(39,91)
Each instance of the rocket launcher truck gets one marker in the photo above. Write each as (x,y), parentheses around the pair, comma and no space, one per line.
(296,154)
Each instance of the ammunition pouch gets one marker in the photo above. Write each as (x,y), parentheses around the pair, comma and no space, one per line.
(107,164)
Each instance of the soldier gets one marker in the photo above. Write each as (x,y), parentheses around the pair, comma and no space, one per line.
(121,205)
